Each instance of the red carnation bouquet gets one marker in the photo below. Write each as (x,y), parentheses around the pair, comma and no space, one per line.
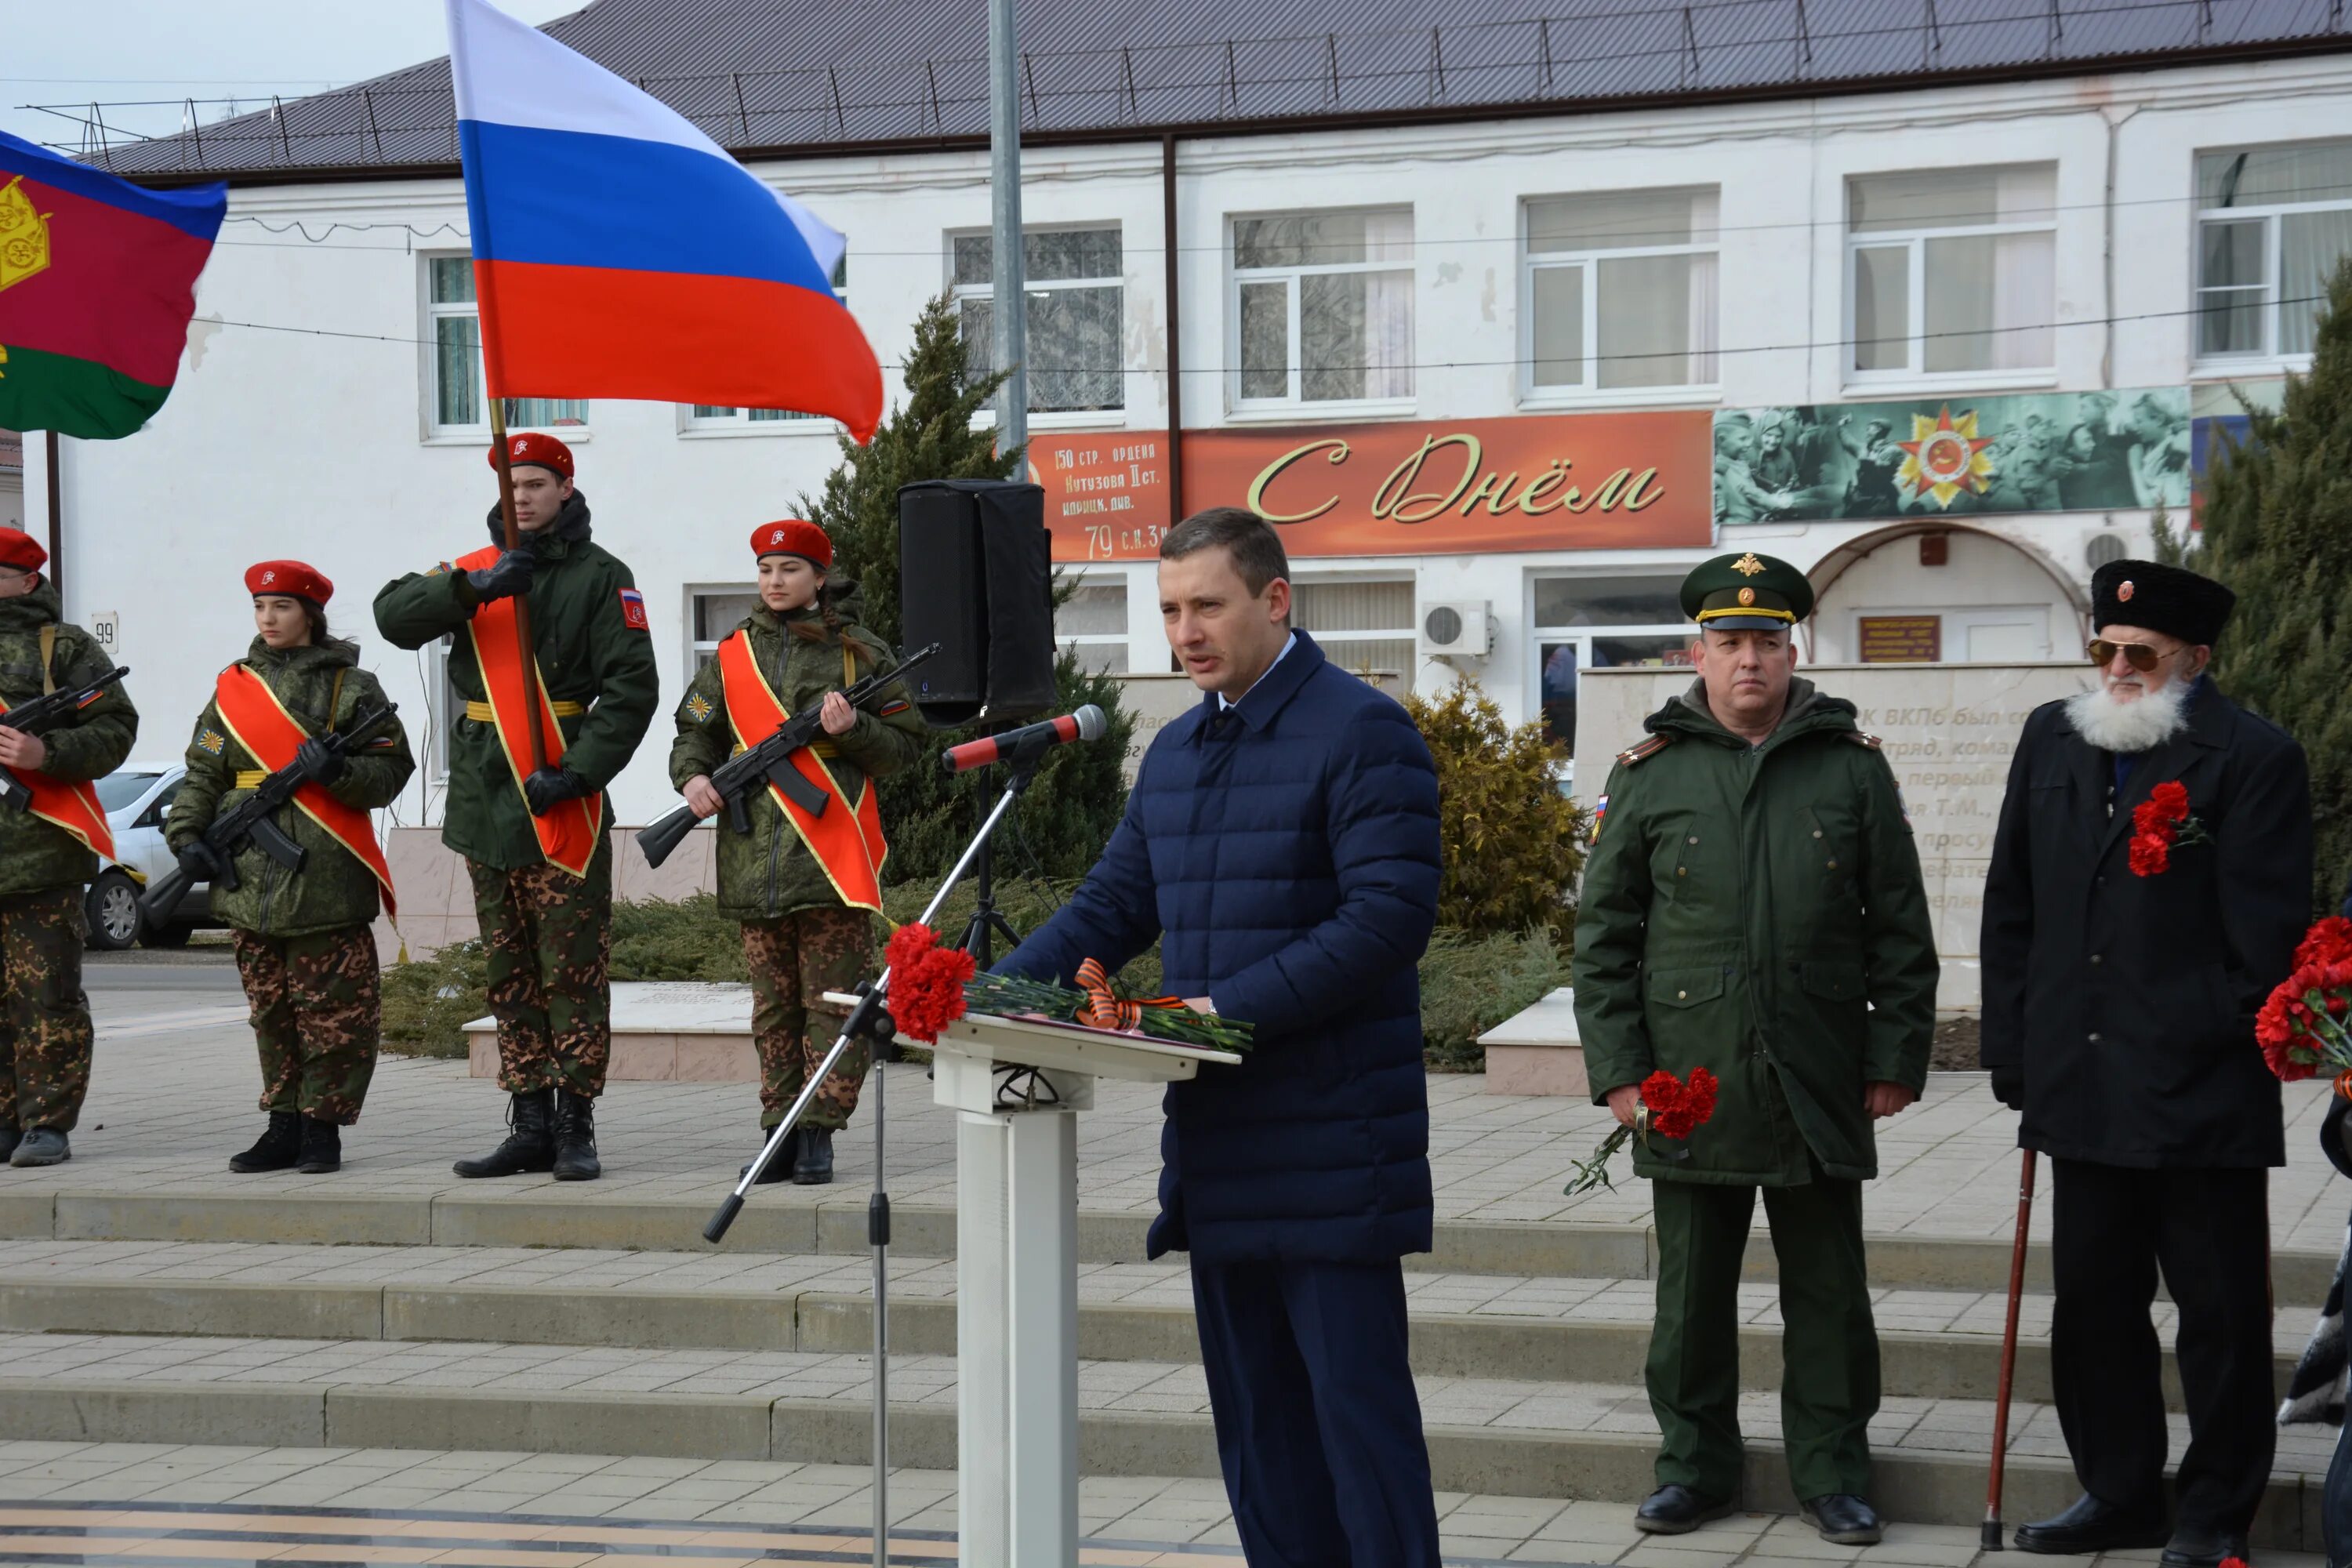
(2302,1027)
(2159,823)
(926,982)
(1670,1110)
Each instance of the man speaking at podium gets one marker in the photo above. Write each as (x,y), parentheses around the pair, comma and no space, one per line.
(1281,840)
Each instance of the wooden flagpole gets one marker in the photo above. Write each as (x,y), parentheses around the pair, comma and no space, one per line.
(521,601)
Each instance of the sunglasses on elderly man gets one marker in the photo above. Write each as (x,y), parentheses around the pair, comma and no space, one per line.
(2142,655)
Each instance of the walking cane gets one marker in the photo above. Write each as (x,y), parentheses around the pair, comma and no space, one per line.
(1991,1541)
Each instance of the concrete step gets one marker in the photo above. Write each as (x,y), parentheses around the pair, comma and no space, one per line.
(831,1221)
(1934,1344)
(1588,1440)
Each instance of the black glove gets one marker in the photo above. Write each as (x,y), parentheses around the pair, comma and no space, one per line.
(549,787)
(504,578)
(2008,1087)
(199,860)
(320,761)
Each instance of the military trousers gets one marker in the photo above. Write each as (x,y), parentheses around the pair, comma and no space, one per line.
(318,1012)
(547,935)
(1829,1385)
(794,960)
(45,1029)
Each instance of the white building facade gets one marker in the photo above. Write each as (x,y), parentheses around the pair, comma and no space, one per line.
(1710,268)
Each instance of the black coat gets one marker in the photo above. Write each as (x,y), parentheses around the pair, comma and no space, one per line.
(2129,1001)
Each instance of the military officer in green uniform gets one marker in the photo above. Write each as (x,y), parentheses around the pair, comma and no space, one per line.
(539,843)
(1752,905)
(45,1028)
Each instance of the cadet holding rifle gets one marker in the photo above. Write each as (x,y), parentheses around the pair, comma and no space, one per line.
(297,746)
(805,882)
(51,836)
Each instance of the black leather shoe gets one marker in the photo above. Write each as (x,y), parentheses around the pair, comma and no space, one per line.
(1844,1518)
(1675,1509)
(322,1148)
(813,1168)
(2197,1546)
(780,1169)
(9,1138)
(275,1149)
(2093,1526)
(529,1147)
(575,1138)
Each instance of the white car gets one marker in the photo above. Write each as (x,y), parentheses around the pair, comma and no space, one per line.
(135,797)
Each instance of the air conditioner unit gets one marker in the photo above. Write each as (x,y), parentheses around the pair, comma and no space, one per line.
(1461,629)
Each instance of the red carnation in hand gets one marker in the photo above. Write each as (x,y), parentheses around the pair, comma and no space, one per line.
(1676,1110)
(2327,942)
(2150,855)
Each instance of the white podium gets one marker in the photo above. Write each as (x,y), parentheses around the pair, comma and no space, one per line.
(1017,1271)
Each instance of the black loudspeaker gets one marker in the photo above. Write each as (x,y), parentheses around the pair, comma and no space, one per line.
(976,576)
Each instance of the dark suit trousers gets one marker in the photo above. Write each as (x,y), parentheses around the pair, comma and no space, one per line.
(2209,1231)
(1319,1426)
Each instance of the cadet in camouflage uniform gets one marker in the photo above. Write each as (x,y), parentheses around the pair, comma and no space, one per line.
(44,1030)
(549,933)
(800,938)
(304,946)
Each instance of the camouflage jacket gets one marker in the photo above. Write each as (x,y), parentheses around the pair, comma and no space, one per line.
(593,649)
(36,856)
(333,888)
(769,871)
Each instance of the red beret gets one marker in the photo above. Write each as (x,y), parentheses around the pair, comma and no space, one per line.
(791,536)
(21,549)
(289,578)
(531,447)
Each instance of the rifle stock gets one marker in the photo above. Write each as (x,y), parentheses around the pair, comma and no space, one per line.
(665,835)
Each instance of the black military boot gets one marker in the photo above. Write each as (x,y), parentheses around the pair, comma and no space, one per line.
(276,1149)
(780,1169)
(529,1147)
(575,1138)
(813,1168)
(322,1147)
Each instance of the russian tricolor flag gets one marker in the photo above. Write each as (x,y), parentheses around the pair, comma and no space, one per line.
(619,252)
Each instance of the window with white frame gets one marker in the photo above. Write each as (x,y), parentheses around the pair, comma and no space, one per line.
(1620,290)
(1363,627)
(2272,223)
(717,612)
(1602,623)
(1075,288)
(1092,624)
(1952,272)
(710,416)
(1322,308)
(453,324)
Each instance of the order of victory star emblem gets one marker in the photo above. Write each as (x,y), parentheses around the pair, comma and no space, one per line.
(1945,455)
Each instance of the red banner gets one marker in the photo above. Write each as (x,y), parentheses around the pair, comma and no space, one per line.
(1571,482)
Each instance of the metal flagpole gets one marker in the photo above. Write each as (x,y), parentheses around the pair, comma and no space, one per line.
(1008,271)
(877,1236)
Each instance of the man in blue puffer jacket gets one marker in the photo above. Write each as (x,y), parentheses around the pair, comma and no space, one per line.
(1282,841)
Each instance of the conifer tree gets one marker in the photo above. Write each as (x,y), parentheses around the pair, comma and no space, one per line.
(2277,528)
(928,814)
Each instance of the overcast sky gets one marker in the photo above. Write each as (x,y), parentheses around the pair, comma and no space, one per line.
(120,51)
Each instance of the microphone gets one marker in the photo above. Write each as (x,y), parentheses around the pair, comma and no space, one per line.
(1027,741)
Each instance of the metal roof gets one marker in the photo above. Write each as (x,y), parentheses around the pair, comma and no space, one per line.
(768,80)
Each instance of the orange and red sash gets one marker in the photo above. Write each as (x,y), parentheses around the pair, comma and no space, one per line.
(568,833)
(259,724)
(847,843)
(72,806)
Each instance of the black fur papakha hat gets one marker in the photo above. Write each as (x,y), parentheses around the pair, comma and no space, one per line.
(2167,599)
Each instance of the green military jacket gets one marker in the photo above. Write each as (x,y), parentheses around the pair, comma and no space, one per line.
(593,649)
(1757,911)
(769,872)
(333,889)
(37,856)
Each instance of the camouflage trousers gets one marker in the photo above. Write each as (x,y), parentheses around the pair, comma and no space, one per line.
(318,1010)
(45,1031)
(794,960)
(549,937)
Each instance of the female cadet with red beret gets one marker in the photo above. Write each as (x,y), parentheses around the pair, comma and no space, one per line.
(805,886)
(304,947)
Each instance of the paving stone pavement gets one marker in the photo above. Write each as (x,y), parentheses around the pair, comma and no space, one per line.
(175,1080)
(557,1498)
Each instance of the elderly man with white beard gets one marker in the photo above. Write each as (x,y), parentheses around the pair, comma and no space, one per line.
(2120,988)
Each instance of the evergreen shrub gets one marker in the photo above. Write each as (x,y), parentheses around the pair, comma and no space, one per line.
(1513,843)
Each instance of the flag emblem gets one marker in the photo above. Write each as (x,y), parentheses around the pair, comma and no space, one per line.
(1599,810)
(633,610)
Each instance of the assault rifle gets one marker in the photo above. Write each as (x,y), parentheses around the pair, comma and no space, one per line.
(253,820)
(740,776)
(44,713)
